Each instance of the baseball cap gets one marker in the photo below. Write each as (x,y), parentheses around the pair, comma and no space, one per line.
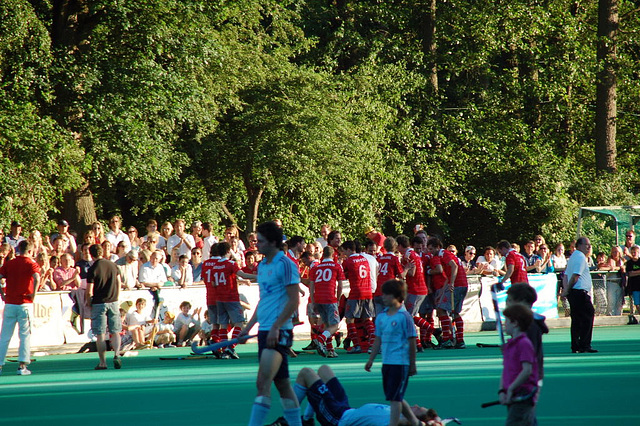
(63,222)
(369,229)
(15,224)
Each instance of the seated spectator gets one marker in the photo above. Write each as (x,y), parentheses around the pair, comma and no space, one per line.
(165,337)
(558,258)
(148,247)
(6,253)
(129,270)
(182,273)
(232,233)
(38,243)
(66,276)
(468,261)
(153,275)
(152,229)
(205,330)
(42,260)
(98,231)
(121,250)
(174,259)
(196,266)
(489,264)
(140,325)
(108,251)
(196,232)
(546,265)
(532,260)
(84,263)
(186,326)
(126,338)
(134,238)
(46,278)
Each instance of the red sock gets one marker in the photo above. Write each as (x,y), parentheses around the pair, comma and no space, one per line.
(223,334)
(215,336)
(426,328)
(330,343)
(371,331)
(445,323)
(235,334)
(459,329)
(353,334)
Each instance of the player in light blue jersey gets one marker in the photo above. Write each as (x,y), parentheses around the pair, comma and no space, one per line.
(278,278)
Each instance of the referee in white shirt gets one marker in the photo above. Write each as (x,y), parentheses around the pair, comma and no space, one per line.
(577,286)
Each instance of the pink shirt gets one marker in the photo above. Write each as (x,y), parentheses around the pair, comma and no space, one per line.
(516,351)
(60,275)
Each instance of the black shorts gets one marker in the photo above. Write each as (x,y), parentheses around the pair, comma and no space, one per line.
(395,379)
(329,401)
(285,340)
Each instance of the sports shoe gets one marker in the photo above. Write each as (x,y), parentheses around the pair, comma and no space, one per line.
(117,363)
(311,346)
(169,345)
(338,337)
(447,344)
(330,354)
(23,371)
(354,350)
(280,421)
(428,345)
(232,353)
(419,349)
(460,345)
(308,422)
(321,348)
(632,320)
(437,333)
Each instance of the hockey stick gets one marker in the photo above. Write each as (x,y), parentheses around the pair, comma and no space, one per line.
(487,345)
(220,345)
(496,307)
(154,330)
(518,398)
(186,357)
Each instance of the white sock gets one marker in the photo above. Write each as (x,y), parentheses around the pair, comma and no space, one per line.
(260,410)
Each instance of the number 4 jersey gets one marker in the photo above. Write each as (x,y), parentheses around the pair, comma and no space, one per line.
(220,279)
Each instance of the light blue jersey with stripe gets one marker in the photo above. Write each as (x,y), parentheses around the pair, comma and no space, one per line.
(273,278)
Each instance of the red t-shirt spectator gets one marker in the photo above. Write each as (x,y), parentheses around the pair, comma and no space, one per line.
(19,274)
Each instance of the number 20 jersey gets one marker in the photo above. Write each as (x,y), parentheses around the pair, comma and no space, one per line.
(325,276)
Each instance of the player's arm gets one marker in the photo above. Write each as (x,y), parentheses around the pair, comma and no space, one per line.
(36,283)
(89,292)
(312,290)
(454,273)
(568,283)
(249,277)
(374,351)
(412,356)
(339,287)
(507,275)
(435,271)
(2,288)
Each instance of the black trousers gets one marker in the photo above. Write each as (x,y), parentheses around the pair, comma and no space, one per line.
(582,314)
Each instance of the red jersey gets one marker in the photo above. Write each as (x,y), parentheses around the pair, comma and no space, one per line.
(208,277)
(325,276)
(356,269)
(19,274)
(415,284)
(519,274)
(293,258)
(224,278)
(251,269)
(437,280)
(389,268)
(461,278)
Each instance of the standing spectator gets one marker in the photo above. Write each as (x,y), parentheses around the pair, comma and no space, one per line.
(208,240)
(107,247)
(490,264)
(615,292)
(22,276)
(559,261)
(279,281)
(14,236)
(376,237)
(181,239)
(538,241)
(66,276)
(577,287)
(129,270)
(36,240)
(468,261)
(153,276)
(132,233)
(253,243)
(6,253)
(45,270)
(232,233)
(148,247)
(115,235)
(98,231)
(196,231)
(633,280)
(546,265)
(165,233)
(532,260)
(103,290)
(324,232)
(196,266)
(63,230)
(152,229)
(629,241)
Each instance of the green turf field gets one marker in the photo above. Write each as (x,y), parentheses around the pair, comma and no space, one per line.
(578,388)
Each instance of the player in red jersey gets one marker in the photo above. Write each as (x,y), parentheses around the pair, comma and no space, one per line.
(359,303)
(516,265)
(416,286)
(376,237)
(334,240)
(208,277)
(455,285)
(327,281)
(389,268)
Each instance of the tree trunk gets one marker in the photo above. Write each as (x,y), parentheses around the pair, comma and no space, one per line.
(606,109)
(79,209)
(254,197)
(429,47)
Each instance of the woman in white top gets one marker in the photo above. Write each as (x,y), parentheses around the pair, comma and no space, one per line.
(489,263)
(558,259)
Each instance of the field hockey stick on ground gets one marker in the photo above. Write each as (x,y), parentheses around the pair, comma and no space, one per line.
(220,345)
(496,307)
(487,345)
(517,398)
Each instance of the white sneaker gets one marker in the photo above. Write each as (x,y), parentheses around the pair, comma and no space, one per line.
(24,371)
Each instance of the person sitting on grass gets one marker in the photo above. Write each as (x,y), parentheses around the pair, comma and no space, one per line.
(186,327)
(518,384)
(140,325)
(165,337)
